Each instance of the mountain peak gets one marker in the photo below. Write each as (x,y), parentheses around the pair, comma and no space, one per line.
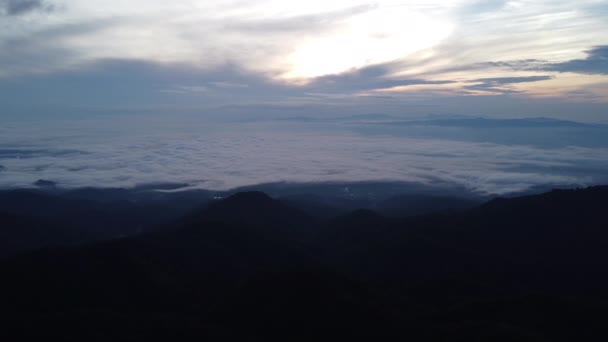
(247,196)
(254,208)
(43,183)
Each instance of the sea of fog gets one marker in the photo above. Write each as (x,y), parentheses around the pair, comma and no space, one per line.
(125,151)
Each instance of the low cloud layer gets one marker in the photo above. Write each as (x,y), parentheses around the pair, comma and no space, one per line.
(221,157)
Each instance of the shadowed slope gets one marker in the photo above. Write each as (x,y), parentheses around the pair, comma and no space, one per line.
(518,269)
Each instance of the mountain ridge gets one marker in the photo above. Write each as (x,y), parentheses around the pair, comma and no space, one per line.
(464,275)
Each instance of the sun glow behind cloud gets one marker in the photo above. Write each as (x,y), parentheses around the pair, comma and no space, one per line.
(380,36)
(287,51)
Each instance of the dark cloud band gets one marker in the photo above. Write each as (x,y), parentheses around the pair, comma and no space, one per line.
(596,63)
(20,7)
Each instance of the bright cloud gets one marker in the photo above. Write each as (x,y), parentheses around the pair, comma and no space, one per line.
(376,37)
(299,39)
(216,156)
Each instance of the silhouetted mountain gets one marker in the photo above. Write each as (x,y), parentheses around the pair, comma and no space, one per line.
(252,267)
(20,234)
(216,272)
(359,224)
(268,216)
(553,244)
(349,196)
(410,205)
(314,206)
(45,183)
(90,219)
(562,227)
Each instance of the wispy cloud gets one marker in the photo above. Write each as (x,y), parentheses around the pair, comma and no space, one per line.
(594,63)
(374,77)
(384,53)
(498,84)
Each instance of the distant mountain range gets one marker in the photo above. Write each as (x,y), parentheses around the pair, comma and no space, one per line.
(448,121)
(253,267)
(499,123)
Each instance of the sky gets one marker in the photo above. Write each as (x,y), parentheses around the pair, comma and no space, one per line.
(458,55)
(74,72)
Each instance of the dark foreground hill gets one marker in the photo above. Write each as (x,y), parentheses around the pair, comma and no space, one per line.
(52,216)
(253,268)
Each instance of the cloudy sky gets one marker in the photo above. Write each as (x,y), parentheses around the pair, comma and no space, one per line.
(457,55)
(76,63)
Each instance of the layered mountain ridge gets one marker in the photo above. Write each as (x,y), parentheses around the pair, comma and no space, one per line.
(251,266)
